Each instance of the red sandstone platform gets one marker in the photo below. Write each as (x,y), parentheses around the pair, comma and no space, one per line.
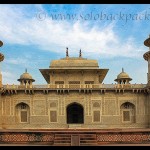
(75,137)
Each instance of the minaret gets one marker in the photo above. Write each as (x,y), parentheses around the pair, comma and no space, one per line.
(67,54)
(1,59)
(80,53)
(0,80)
(147,58)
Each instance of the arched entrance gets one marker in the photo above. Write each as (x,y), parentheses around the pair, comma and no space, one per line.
(75,114)
(22,113)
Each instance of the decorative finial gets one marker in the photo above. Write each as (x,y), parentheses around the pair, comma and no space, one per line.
(1,55)
(122,70)
(1,43)
(26,70)
(80,53)
(149,37)
(67,55)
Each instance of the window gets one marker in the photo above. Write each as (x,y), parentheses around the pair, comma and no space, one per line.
(128,112)
(74,82)
(24,116)
(22,113)
(96,116)
(53,116)
(126,115)
(96,112)
(59,82)
(89,82)
(23,106)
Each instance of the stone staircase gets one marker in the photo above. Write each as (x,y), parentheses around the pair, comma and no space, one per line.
(62,139)
(75,139)
(88,139)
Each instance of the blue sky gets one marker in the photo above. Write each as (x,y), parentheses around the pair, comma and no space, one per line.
(113,34)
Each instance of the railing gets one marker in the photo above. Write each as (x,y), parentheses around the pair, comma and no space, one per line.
(76,86)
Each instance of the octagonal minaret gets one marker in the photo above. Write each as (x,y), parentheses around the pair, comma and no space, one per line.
(147,57)
(1,59)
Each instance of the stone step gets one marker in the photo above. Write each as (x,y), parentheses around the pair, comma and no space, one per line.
(88,144)
(62,144)
(88,135)
(88,138)
(65,139)
(90,141)
(62,138)
(66,135)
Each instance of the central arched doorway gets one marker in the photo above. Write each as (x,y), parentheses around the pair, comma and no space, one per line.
(75,113)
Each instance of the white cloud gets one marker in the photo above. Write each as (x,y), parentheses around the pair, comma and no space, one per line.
(9,78)
(16,61)
(19,25)
(23,62)
(17,28)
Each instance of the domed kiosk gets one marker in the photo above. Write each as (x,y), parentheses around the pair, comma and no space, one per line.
(26,79)
(123,78)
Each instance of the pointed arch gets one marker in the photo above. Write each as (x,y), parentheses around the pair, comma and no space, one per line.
(75,113)
(22,111)
(128,112)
